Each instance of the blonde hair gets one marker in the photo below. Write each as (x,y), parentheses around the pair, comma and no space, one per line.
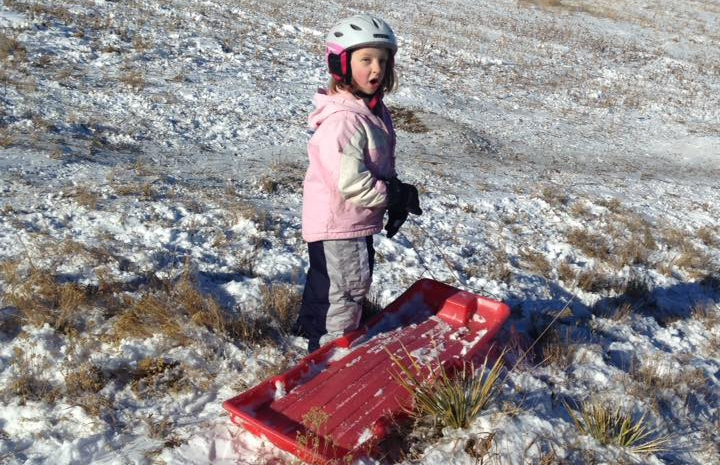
(387,85)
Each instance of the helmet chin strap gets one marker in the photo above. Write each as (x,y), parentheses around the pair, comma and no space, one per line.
(372,100)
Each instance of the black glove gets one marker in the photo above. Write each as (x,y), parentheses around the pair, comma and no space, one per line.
(402,196)
(402,199)
(396,218)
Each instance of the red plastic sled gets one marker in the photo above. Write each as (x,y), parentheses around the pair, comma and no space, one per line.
(340,401)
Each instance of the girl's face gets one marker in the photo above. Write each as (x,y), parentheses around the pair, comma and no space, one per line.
(368,68)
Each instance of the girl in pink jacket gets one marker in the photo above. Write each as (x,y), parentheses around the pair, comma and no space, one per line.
(351,179)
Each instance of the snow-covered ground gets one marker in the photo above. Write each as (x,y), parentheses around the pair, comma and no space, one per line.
(566,152)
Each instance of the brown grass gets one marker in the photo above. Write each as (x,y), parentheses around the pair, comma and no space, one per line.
(157,376)
(708,236)
(674,238)
(6,138)
(629,252)
(405,119)
(29,381)
(10,47)
(168,311)
(593,280)
(537,263)
(268,185)
(566,273)
(591,244)
(554,195)
(133,78)
(141,44)
(499,267)
(693,260)
(612,204)
(87,378)
(707,314)
(175,309)
(622,312)
(41,299)
(580,209)
(85,197)
(147,316)
(556,348)
(135,189)
(282,302)
(653,375)
(286,175)
(252,330)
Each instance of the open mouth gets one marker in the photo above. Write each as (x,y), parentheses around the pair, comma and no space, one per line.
(374,81)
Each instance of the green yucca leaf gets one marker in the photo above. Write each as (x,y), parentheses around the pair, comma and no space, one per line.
(452,398)
(613,426)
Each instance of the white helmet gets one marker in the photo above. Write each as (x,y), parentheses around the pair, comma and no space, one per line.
(360,31)
(352,33)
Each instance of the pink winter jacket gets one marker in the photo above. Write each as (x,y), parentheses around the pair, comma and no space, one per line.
(351,152)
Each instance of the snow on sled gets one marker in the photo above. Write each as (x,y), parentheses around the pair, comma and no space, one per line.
(340,401)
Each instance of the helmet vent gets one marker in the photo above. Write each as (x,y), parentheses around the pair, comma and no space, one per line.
(381,36)
(357,28)
(374,21)
(338,34)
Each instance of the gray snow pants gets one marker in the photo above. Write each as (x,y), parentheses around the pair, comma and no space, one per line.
(338,280)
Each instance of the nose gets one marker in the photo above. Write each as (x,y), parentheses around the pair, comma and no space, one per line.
(376,67)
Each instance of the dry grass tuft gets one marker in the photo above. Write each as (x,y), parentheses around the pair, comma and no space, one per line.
(537,263)
(151,314)
(84,196)
(622,312)
(653,374)
(11,50)
(708,314)
(282,302)
(157,376)
(133,78)
(268,185)
(556,348)
(29,381)
(202,309)
(630,252)
(405,119)
(252,330)
(87,378)
(499,268)
(554,195)
(673,237)
(613,205)
(169,311)
(708,236)
(693,260)
(594,280)
(591,244)
(566,273)
(580,209)
(6,138)
(41,299)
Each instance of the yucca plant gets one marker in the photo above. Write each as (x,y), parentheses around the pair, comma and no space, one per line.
(613,426)
(452,397)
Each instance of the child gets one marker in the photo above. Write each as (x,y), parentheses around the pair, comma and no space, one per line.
(351,179)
